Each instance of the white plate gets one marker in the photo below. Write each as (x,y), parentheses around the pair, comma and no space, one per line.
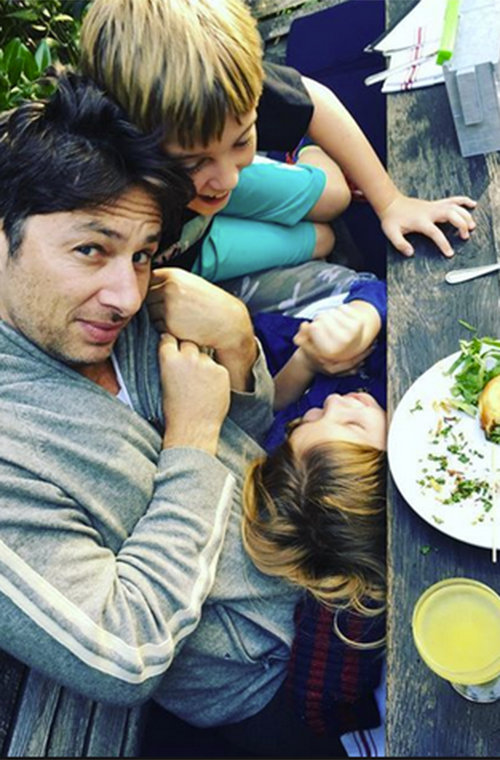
(413,439)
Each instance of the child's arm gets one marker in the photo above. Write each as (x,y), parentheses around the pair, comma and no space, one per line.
(337,341)
(334,130)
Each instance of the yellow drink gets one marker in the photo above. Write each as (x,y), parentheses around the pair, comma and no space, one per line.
(456,627)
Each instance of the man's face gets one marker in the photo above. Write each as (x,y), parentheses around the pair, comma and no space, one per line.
(215,168)
(80,276)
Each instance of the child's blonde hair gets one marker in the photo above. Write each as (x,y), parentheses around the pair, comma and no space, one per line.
(179,65)
(319,521)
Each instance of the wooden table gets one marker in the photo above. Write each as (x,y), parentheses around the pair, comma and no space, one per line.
(426,718)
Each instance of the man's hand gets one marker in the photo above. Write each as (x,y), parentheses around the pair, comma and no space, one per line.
(196,395)
(338,340)
(404,215)
(189,307)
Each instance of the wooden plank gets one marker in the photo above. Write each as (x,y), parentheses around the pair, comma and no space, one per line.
(55,722)
(11,677)
(35,716)
(425,717)
(276,26)
(265,8)
(70,725)
(115,731)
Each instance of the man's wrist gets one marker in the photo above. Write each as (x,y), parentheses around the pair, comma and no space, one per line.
(238,331)
(205,438)
(240,351)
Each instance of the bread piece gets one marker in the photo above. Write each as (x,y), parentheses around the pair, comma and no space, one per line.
(489,409)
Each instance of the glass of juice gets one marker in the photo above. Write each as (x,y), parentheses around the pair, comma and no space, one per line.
(456,628)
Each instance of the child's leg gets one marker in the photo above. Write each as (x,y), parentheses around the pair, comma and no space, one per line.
(325,240)
(236,247)
(336,195)
(269,191)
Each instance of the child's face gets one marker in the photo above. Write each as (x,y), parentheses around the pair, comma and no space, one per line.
(356,418)
(215,168)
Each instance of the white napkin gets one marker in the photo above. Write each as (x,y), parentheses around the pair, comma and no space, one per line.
(416,36)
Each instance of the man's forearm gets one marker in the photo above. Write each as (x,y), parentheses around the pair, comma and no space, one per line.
(107,622)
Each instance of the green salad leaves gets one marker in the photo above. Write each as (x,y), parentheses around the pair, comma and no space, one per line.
(477,364)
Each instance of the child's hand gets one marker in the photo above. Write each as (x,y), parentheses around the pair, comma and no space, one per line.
(338,340)
(406,214)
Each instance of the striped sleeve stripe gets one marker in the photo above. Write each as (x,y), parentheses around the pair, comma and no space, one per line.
(100,649)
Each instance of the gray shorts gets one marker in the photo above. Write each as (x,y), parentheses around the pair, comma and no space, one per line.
(290,289)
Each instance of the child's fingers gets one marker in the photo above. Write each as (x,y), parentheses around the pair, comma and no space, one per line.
(463,200)
(302,334)
(347,366)
(345,325)
(467,216)
(396,237)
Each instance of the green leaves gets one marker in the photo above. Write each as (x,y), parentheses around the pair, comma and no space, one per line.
(43,56)
(477,364)
(20,70)
(33,35)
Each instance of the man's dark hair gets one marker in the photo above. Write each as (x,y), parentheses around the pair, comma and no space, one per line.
(78,150)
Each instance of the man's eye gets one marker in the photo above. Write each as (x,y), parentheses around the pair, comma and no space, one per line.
(142,257)
(89,250)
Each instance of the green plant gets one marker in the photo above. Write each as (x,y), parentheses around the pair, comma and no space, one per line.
(33,35)
(20,72)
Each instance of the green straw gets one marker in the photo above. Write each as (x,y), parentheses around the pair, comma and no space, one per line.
(449,31)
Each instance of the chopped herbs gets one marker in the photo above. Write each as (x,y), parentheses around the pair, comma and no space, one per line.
(467,325)
(450,473)
(494,436)
(464,489)
(425,549)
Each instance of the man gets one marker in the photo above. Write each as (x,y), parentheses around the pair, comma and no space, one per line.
(121,467)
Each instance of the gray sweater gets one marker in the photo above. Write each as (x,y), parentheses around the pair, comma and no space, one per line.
(110,546)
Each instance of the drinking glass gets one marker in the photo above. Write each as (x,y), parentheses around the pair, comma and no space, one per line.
(456,629)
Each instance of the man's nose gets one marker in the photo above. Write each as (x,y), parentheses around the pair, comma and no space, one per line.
(122,289)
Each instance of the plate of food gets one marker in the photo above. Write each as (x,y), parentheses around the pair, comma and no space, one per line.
(444,444)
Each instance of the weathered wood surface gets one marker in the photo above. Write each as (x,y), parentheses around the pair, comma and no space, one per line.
(276,16)
(11,678)
(426,718)
(56,722)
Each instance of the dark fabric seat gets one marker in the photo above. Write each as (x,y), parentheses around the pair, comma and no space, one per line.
(328,46)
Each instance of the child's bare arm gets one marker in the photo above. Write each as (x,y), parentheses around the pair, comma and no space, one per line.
(336,195)
(292,380)
(334,130)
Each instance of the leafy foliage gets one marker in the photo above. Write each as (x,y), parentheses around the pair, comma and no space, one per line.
(34,34)
(477,363)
